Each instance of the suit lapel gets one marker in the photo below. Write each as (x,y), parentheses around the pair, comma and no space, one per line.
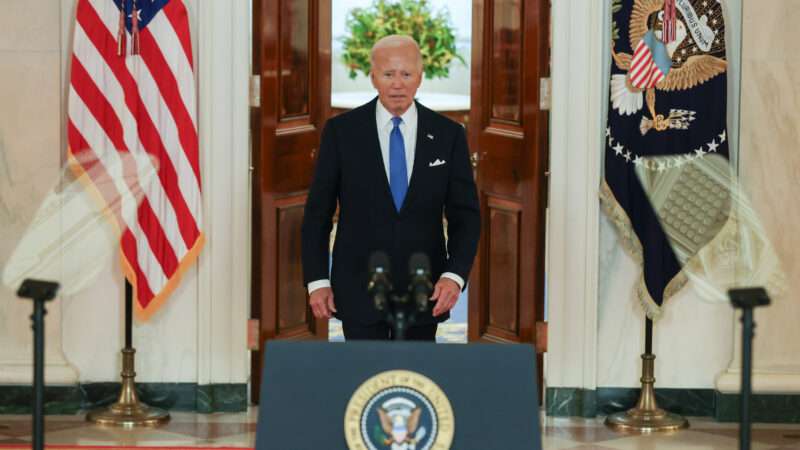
(374,151)
(421,152)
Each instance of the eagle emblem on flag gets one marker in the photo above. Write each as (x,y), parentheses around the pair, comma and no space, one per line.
(692,54)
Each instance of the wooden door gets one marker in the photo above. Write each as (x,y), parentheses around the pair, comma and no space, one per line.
(508,140)
(291,53)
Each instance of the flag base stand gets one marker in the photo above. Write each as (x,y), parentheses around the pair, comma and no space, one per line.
(128,411)
(646,417)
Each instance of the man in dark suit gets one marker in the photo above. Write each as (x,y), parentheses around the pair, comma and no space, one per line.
(394,167)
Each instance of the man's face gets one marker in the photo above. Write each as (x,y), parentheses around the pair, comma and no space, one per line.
(396,76)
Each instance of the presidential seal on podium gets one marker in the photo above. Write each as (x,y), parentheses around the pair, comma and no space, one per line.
(399,410)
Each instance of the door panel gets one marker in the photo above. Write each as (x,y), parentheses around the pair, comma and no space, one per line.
(291,53)
(294,318)
(295,55)
(506,55)
(503,253)
(508,138)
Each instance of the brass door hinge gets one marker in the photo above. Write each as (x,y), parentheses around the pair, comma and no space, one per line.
(255,91)
(541,337)
(545,94)
(253,334)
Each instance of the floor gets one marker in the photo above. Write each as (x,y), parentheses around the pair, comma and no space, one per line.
(238,430)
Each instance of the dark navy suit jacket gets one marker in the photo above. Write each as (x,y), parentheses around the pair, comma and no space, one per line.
(350,173)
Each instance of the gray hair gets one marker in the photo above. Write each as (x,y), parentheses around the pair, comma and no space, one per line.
(395,40)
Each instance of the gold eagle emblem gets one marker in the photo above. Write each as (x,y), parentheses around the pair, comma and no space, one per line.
(697,55)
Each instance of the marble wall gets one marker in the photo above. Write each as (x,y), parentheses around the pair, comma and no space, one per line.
(770,173)
(31,123)
(199,335)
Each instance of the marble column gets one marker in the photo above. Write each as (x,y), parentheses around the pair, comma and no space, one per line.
(769,172)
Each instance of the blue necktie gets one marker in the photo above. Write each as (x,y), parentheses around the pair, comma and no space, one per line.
(398,173)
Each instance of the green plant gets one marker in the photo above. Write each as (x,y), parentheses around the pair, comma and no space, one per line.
(414,18)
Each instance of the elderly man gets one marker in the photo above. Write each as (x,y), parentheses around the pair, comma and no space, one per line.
(394,167)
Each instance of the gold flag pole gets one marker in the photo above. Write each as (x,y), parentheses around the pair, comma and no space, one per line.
(646,416)
(128,411)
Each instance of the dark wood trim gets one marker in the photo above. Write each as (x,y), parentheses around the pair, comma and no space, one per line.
(282,148)
(257,236)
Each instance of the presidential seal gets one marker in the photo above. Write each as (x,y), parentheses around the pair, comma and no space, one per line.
(399,410)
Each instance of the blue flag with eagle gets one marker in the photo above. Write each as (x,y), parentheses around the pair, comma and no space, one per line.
(668,100)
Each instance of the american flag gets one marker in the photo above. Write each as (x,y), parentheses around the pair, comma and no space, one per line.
(132,90)
(650,63)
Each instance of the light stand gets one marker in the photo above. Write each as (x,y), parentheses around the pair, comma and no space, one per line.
(39,291)
(746,299)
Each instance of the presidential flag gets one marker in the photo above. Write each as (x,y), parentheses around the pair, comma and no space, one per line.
(667,111)
(132,91)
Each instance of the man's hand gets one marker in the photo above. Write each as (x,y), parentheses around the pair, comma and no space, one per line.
(321,301)
(445,293)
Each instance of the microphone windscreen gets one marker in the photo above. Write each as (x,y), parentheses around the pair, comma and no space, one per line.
(379,259)
(419,262)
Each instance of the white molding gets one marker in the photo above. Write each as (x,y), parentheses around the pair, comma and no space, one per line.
(595,119)
(763,382)
(224,288)
(59,372)
(241,188)
(575,152)
(203,37)
(55,373)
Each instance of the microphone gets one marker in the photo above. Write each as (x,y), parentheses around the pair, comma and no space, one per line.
(419,267)
(379,285)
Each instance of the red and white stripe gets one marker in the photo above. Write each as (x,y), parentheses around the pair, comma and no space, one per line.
(144,104)
(644,73)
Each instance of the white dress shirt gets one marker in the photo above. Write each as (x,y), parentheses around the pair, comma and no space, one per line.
(408,128)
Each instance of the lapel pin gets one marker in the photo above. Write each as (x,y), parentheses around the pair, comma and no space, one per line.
(430,136)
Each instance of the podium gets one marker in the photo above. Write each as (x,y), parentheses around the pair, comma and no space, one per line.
(395,395)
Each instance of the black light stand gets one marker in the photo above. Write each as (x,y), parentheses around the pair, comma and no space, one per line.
(746,299)
(39,291)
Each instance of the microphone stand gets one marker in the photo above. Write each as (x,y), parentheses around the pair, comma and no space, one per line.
(398,318)
(400,312)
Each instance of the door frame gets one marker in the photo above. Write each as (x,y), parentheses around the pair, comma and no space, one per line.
(270,194)
(264,281)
